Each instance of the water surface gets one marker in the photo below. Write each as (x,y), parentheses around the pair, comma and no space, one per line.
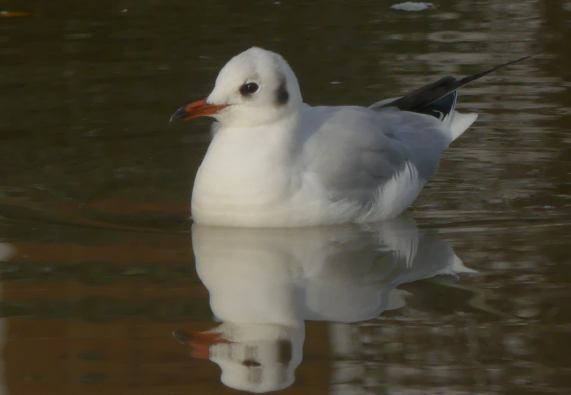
(97,251)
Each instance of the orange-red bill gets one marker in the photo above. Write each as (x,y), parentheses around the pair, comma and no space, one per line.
(199,108)
(200,343)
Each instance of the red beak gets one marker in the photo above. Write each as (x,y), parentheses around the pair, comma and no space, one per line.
(199,108)
(201,342)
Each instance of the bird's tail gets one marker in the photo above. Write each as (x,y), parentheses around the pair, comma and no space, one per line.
(436,92)
(460,123)
(438,99)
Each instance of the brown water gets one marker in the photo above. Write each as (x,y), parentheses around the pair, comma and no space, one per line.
(96,248)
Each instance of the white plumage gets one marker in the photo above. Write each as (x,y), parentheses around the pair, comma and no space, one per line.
(275,161)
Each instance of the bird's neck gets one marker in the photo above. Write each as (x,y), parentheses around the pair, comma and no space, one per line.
(271,142)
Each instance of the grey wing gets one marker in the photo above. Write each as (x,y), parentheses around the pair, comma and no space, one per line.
(354,150)
(423,136)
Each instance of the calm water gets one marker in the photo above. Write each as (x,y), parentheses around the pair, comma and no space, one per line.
(100,263)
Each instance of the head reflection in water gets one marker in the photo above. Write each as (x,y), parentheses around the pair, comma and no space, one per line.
(265,283)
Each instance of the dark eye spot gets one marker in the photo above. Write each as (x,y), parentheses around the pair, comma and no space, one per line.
(282,95)
(248,88)
(250,362)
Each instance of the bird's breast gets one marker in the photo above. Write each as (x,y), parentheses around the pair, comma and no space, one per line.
(239,181)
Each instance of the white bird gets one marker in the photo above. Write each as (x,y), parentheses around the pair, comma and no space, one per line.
(275,161)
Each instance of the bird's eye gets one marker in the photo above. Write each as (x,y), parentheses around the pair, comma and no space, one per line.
(248,88)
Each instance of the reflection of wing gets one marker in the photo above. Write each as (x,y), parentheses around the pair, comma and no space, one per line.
(283,276)
(356,285)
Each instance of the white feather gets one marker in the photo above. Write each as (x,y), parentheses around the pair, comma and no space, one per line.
(460,123)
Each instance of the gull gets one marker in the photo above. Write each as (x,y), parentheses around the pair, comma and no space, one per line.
(275,161)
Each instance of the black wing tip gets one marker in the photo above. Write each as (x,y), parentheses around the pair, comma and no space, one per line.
(421,98)
(465,80)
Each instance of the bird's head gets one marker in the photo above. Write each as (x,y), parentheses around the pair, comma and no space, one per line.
(254,88)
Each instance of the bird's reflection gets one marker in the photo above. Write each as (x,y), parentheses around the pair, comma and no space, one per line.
(264,283)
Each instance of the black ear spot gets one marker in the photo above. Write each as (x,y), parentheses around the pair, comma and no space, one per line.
(282,95)
(285,351)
